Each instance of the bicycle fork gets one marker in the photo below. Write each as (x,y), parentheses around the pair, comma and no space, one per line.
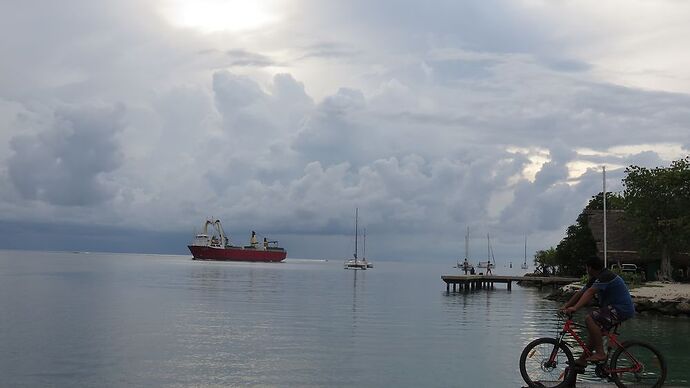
(551,363)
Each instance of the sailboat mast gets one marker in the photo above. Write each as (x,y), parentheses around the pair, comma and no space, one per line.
(467,244)
(356,232)
(604,195)
(525,249)
(364,246)
(488,250)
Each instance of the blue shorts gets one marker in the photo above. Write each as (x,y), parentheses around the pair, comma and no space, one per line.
(606,317)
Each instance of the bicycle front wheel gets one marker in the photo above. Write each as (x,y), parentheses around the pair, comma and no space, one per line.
(539,369)
(637,364)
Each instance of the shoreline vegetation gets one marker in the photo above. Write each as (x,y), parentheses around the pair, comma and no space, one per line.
(664,298)
(649,227)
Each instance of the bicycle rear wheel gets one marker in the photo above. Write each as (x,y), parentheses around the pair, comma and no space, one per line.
(538,371)
(636,365)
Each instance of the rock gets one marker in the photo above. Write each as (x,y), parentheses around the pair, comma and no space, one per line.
(659,302)
(563,294)
(642,304)
(683,307)
(668,308)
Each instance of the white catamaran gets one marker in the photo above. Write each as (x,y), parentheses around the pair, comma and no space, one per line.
(355,263)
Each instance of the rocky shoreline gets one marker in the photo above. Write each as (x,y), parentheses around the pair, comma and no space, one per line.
(663,298)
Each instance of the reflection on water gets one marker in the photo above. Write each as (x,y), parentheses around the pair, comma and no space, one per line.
(355,285)
(132,320)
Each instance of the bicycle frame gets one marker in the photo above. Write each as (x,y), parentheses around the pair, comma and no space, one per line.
(612,340)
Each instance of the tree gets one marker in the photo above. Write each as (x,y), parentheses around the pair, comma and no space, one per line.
(614,201)
(657,201)
(545,260)
(577,245)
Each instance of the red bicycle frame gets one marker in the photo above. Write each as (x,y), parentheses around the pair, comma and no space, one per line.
(612,336)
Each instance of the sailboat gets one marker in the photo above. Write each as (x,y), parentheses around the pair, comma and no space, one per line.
(354,263)
(524,265)
(490,260)
(465,265)
(369,264)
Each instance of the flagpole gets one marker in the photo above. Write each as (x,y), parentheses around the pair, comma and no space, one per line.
(605,261)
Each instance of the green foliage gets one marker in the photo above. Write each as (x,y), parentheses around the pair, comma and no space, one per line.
(614,201)
(545,261)
(657,201)
(632,279)
(575,248)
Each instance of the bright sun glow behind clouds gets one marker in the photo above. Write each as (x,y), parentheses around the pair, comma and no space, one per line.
(222,15)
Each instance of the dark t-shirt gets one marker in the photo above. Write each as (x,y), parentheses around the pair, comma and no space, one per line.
(613,291)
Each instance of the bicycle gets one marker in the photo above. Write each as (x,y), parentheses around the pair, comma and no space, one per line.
(549,362)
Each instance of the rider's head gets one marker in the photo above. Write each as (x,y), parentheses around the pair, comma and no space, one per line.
(594,265)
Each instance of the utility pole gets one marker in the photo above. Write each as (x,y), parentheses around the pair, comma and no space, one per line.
(605,262)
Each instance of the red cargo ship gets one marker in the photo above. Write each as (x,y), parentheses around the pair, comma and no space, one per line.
(218,247)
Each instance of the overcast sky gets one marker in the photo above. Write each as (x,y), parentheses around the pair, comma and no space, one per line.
(284,116)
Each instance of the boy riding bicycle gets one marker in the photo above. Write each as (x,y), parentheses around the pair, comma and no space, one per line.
(615,304)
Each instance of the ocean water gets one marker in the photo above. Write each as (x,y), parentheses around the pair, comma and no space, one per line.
(113,320)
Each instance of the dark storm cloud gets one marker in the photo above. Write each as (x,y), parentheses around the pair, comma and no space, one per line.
(67,236)
(66,163)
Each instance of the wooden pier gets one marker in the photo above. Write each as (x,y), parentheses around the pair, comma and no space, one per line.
(473,282)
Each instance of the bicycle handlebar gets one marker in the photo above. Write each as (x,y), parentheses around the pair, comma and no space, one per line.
(564,315)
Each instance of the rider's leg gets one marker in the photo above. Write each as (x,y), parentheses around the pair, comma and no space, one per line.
(594,337)
(593,333)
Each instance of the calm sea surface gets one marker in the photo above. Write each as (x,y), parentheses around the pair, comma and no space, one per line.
(101,320)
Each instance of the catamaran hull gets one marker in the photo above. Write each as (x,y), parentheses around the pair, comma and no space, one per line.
(237,254)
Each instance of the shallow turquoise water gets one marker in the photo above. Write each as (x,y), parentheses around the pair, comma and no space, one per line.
(146,320)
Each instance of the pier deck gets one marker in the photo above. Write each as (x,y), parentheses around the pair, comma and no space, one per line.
(471,282)
(588,384)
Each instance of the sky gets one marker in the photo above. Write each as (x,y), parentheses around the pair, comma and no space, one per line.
(125,124)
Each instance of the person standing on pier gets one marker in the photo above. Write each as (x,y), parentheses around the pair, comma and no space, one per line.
(615,306)
(488,268)
(466,266)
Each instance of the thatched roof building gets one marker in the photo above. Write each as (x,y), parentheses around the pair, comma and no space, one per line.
(621,243)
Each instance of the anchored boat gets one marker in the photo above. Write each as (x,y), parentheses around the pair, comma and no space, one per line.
(356,263)
(524,264)
(490,262)
(216,246)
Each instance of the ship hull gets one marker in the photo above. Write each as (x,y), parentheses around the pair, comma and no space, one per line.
(237,254)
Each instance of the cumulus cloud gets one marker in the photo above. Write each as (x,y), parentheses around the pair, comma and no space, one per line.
(67,163)
(429,117)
